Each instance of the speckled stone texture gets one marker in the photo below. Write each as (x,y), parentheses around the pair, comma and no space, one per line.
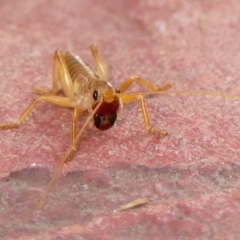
(191,177)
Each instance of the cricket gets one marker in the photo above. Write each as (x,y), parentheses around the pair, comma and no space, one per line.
(77,86)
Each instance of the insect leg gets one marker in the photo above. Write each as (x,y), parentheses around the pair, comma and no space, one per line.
(61,101)
(74,131)
(59,74)
(74,146)
(129,81)
(100,64)
(132,97)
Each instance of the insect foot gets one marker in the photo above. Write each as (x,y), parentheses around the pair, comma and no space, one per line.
(5,126)
(165,86)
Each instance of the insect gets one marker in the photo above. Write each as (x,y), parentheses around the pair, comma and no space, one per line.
(86,90)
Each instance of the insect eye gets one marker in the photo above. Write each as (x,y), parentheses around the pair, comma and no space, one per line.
(95,95)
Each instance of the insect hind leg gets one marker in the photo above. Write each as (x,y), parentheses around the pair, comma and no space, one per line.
(60,76)
(55,79)
(100,64)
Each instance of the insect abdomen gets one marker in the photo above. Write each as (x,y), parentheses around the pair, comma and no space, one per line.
(76,67)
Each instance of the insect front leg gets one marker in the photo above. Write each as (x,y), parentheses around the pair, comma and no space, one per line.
(129,81)
(132,97)
(74,146)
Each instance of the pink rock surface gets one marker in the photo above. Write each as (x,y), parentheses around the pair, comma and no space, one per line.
(191,177)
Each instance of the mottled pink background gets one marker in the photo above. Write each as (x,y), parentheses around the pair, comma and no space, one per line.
(191,177)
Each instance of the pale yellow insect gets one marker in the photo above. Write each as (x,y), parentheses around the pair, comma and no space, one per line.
(84,89)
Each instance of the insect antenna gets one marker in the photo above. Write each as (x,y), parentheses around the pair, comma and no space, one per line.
(67,157)
(184,92)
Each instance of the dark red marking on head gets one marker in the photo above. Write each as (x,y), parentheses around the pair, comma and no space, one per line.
(106,115)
